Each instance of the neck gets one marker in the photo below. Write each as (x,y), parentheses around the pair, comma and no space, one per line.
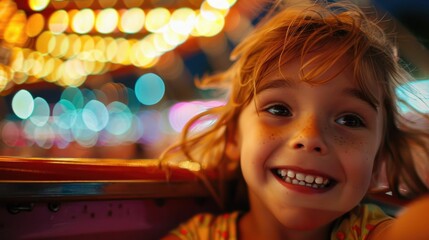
(297,223)
(256,227)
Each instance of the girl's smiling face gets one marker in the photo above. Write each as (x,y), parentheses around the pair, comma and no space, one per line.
(307,151)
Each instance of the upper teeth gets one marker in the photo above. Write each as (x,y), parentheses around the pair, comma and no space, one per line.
(298,178)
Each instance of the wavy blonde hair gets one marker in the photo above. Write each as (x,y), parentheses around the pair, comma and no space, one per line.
(290,33)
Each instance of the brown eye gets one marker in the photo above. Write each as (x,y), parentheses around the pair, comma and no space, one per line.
(279,110)
(350,120)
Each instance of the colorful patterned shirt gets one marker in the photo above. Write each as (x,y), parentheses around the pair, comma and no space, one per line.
(357,224)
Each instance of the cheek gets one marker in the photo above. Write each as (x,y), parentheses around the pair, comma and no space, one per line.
(258,134)
(358,159)
(257,145)
(365,146)
(267,138)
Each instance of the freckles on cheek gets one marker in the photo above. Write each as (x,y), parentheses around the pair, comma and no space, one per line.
(266,137)
(339,140)
(351,142)
(352,146)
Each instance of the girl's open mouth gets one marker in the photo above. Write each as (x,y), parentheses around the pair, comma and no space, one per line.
(303,179)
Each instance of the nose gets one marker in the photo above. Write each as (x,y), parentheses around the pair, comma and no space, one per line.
(309,136)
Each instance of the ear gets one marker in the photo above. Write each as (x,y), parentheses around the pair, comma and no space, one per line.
(232,148)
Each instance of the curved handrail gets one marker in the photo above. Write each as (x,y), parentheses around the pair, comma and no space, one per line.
(28,179)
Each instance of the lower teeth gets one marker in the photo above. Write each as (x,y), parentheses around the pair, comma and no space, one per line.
(302,183)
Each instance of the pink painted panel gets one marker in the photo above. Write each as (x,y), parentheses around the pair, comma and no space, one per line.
(107,220)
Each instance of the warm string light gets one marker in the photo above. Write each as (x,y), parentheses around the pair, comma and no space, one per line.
(67,52)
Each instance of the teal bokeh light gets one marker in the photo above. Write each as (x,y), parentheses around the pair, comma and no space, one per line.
(41,112)
(64,114)
(88,95)
(74,95)
(81,133)
(120,118)
(23,104)
(149,89)
(95,115)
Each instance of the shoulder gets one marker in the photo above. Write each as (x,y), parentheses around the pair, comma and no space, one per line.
(411,223)
(359,222)
(208,226)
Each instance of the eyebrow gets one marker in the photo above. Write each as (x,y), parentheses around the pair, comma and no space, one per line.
(362,96)
(278,83)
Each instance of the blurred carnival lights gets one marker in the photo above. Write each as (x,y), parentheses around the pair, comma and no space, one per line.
(112,115)
(94,36)
(38,5)
(180,113)
(23,104)
(149,89)
(64,43)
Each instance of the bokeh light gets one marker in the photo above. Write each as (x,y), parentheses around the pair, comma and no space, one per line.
(95,115)
(183,21)
(23,104)
(4,77)
(81,133)
(149,89)
(74,95)
(180,113)
(83,21)
(41,112)
(42,42)
(58,21)
(119,118)
(157,19)
(107,20)
(44,136)
(38,5)
(11,133)
(208,24)
(64,114)
(132,20)
(221,4)
(35,25)
(15,33)
(151,120)
(59,46)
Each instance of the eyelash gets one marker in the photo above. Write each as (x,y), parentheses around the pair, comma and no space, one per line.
(357,121)
(278,110)
(349,120)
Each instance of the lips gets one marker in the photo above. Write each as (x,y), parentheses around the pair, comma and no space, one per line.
(303,179)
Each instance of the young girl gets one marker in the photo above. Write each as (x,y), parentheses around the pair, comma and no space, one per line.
(311,119)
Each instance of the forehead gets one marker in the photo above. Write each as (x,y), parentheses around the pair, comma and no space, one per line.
(288,74)
(310,70)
